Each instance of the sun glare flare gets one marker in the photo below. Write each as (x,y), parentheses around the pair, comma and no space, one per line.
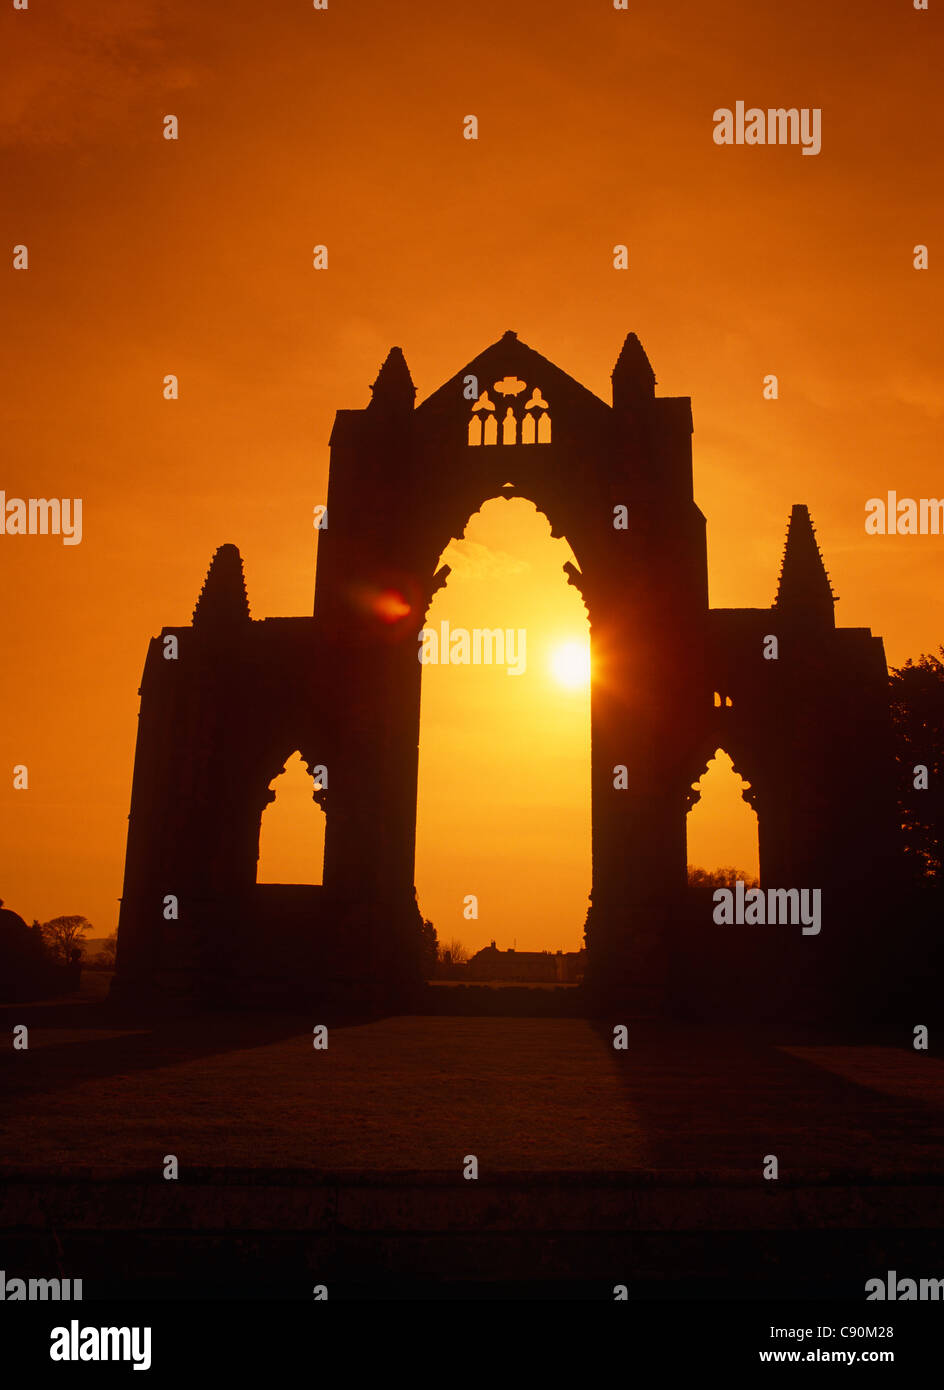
(570,665)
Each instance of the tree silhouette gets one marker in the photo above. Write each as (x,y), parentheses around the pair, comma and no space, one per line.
(108,951)
(719,878)
(458,953)
(917,709)
(63,937)
(429,948)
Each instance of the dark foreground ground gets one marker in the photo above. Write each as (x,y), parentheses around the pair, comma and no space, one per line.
(643,1167)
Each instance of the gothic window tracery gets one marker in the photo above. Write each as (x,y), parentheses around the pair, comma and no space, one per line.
(523,421)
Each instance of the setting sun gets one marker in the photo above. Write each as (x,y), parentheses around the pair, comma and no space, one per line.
(570,665)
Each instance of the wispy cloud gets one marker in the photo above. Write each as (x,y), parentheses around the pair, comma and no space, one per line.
(77,72)
(473,560)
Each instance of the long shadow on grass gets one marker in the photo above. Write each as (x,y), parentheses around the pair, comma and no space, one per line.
(715,1101)
(57,1066)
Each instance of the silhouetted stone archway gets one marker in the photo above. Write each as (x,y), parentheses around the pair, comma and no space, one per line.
(617,481)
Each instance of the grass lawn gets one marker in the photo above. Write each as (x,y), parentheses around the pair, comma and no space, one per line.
(418,1093)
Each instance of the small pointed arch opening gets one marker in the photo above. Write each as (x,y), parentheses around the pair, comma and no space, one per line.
(722,824)
(292,830)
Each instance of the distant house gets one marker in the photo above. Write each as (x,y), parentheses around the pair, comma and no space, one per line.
(528,967)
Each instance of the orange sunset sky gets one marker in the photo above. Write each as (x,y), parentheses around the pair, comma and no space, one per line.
(344,127)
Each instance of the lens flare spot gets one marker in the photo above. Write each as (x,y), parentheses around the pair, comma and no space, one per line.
(390,606)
